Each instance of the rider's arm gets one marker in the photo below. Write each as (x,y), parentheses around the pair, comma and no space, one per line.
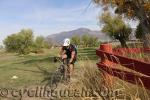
(62,51)
(72,56)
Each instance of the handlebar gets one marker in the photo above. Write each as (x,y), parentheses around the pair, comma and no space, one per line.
(64,61)
(58,59)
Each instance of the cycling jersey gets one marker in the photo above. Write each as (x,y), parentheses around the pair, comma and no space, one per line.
(69,50)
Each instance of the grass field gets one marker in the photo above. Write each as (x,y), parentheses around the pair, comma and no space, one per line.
(35,69)
(32,69)
(24,67)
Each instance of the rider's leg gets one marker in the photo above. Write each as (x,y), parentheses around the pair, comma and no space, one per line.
(64,57)
(71,69)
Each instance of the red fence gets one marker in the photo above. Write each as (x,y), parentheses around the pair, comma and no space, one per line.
(122,51)
(110,58)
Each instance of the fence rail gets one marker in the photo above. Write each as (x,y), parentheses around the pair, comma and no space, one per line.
(109,59)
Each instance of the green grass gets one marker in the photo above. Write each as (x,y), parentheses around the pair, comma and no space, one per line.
(32,69)
(35,69)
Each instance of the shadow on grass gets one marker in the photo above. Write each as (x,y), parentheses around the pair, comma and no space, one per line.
(50,79)
(26,70)
(47,75)
(44,59)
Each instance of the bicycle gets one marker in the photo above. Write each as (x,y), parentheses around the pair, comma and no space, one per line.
(60,75)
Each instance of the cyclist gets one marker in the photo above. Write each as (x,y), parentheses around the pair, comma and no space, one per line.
(68,52)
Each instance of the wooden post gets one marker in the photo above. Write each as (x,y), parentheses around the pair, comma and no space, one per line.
(108,79)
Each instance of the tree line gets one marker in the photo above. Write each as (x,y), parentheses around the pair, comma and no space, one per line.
(24,42)
(85,41)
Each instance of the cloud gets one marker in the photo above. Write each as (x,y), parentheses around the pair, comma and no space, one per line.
(63,15)
(43,18)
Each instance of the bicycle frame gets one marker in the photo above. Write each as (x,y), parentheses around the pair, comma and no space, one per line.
(61,72)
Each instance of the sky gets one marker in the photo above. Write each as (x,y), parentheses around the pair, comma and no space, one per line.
(47,17)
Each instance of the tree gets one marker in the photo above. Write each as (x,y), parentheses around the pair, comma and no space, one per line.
(11,43)
(48,42)
(85,40)
(20,42)
(115,27)
(76,40)
(139,32)
(26,41)
(39,42)
(89,40)
(139,9)
(93,41)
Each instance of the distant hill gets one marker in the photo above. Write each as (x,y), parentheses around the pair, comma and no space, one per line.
(59,37)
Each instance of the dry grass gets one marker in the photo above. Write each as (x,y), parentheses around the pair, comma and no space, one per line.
(91,79)
(86,80)
(143,56)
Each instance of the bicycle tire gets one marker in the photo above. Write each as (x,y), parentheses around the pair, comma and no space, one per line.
(58,76)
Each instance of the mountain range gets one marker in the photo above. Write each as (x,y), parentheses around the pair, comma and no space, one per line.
(59,37)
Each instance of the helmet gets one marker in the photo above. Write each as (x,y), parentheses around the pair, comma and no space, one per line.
(66,42)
